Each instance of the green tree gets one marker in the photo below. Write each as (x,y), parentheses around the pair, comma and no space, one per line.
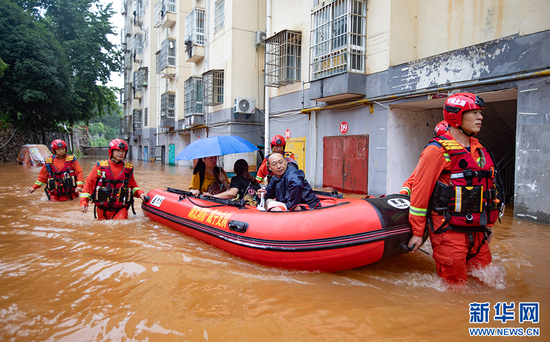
(36,88)
(59,59)
(3,66)
(97,129)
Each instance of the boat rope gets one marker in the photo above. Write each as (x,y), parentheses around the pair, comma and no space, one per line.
(14,130)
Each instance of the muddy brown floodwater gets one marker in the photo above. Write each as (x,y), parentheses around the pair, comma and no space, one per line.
(66,277)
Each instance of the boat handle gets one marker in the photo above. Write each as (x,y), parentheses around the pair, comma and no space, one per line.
(238,226)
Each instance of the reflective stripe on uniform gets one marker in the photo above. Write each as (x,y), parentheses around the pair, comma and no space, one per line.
(447,158)
(80,183)
(134,191)
(417,211)
(407,190)
(39,183)
(86,195)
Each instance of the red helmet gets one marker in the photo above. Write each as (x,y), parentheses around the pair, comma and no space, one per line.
(441,128)
(278,140)
(58,143)
(117,144)
(457,104)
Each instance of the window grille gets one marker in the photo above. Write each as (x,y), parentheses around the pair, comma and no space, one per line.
(157,17)
(194,27)
(283,58)
(193,96)
(128,26)
(213,87)
(142,77)
(146,38)
(166,57)
(138,7)
(146,117)
(338,38)
(136,119)
(138,46)
(167,105)
(128,92)
(137,85)
(219,15)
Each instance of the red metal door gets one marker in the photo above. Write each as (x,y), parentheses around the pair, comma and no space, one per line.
(345,163)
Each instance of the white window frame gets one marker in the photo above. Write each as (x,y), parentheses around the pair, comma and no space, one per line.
(219,15)
(338,39)
(194,26)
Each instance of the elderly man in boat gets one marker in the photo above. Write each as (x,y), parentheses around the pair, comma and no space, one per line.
(289,189)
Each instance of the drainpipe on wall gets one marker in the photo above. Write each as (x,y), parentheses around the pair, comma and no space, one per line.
(425,91)
(313,144)
(266,134)
(206,53)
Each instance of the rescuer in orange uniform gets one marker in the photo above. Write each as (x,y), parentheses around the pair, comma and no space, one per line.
(61,174)
(457,193)
(440,128)
(278,144)
(111,185)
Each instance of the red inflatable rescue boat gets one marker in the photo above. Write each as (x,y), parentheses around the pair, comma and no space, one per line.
(344,233)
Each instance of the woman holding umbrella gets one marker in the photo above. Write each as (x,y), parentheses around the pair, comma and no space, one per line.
(207,174)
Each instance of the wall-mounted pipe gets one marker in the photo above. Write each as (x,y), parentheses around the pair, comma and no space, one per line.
(370,101)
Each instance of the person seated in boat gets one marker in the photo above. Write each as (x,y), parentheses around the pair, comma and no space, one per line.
(243,186)
(61,174)
(208,177)
(278,144)
(288,189)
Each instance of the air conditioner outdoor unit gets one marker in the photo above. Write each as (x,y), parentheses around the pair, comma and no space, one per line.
(260,37)
(246,106)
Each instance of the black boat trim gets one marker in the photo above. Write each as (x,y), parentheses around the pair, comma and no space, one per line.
(338,242)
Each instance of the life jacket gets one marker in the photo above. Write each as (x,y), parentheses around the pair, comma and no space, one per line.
(110,193)
(474,198)
(61,182)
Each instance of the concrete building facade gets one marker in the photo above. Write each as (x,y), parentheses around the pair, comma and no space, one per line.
(186,64)
(358,86)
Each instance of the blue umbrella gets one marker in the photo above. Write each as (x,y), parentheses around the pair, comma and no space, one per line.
(215,146)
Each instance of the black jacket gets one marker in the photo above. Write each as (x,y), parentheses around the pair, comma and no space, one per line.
(292,189)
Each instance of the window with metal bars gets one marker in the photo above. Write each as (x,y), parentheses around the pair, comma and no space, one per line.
(146,38)
(193,96)
(138,47)
(166,57)
(136,119)
(283,58)
(167,105)
(194,27)
(338,38)
(213,87)
(137,84)
(168,6)
(128,92)
(146,117)
(219,15)
(142,77)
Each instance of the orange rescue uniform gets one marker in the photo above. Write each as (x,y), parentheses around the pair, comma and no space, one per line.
(450,248)
(59,163)
(89,189)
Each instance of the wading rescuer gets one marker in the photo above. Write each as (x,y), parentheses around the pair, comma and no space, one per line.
(278,144)
(111,185)
(457,193)
(61,174)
